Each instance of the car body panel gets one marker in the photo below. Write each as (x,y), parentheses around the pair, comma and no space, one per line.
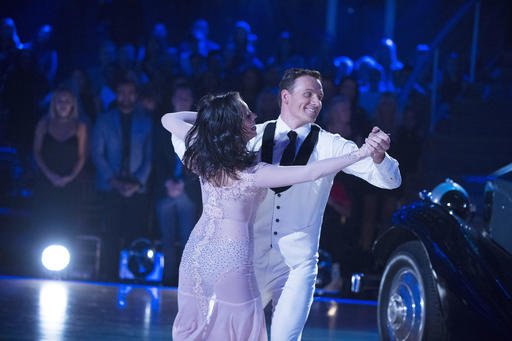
(472,271)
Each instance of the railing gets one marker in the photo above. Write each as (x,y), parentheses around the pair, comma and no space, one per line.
(433,52)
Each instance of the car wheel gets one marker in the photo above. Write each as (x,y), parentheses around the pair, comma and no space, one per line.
(409,307)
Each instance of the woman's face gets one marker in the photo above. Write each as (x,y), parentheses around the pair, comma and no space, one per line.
(63,105)
(248,123)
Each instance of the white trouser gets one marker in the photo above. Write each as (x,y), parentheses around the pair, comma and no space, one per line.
(291,292)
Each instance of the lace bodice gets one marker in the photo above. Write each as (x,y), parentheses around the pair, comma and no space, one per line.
(220,243)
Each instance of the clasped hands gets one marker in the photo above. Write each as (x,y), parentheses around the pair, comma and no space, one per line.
(125,188)
(376,145)
(174,188)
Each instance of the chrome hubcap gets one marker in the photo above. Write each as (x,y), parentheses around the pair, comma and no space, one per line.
(405,310)
(397,311)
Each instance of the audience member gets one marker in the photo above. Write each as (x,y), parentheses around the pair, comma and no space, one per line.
(249,85)
(159,59)
(122,154)
(340,225)
(89,104)
(344,66)
(45,53)
(386,113)
(60,151)
(10,45)
(286,55)
(409,149)
(349,88)
(386,56)
(267,106)
(369,75)
(200,42)
(378,205)
(128,64)
(240,52)
(104,74)
(177,193)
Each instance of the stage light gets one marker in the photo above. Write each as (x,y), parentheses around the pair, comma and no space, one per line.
(141,262)
(55,257)
(150,254)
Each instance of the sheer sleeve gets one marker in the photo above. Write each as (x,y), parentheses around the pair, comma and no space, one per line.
(178,123)
(277,176)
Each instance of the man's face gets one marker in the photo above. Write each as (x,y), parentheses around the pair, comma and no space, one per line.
(303,102)
(182,100)
(126,97)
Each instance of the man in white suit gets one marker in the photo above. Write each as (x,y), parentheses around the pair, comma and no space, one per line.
(287,226)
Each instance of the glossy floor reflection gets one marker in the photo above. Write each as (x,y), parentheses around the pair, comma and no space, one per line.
(37,309)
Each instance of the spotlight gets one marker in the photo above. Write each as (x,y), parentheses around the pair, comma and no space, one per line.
(55,258)
(140,262)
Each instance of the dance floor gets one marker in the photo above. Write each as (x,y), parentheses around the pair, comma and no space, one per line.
(40,309)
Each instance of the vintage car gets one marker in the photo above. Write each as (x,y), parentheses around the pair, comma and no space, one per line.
(443,273)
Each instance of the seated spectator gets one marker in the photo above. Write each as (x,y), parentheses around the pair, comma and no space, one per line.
(200,42)
(267,106)
(177,193)
(340,228)
(344,66)
(407,147)
(386,113)
(369,75)
(45,53)
(361,125)
(249,85)
(103,74)
(379,204)
(122,154)
(286,55)
(240,52)
(386,56)
(89,103)
(10,44)
(60,150)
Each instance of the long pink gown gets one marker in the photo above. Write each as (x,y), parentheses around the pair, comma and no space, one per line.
(218,297)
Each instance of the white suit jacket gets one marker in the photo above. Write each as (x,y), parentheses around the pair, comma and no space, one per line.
(290,222)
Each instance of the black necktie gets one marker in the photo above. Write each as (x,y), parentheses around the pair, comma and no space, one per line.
(289,151)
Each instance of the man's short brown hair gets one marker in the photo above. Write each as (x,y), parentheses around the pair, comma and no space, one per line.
(290,75)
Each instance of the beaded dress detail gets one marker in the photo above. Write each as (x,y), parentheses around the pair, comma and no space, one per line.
(218,297)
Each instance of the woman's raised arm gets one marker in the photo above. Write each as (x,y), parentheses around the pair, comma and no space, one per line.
(278,176)
(179,123)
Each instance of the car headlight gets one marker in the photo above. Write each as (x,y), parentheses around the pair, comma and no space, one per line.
(453,197)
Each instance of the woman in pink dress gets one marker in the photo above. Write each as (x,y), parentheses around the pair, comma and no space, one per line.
(218,297)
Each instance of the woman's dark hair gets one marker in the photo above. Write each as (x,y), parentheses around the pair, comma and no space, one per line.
(215,146)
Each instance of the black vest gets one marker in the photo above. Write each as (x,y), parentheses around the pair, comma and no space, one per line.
(302,157)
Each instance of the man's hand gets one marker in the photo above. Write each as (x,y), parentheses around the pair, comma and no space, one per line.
(379,142)
(130,189)
(124,188)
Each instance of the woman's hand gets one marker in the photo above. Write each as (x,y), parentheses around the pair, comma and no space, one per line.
(365,151)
